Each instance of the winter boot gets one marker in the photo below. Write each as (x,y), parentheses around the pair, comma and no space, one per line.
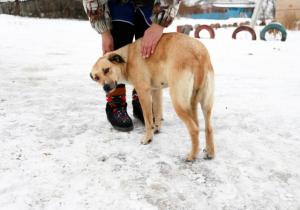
(137,109)
(116,109)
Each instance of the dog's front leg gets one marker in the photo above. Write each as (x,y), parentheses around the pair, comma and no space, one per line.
(146,104)
(157,109)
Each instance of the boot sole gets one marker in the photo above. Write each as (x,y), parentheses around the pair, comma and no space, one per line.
(122,129)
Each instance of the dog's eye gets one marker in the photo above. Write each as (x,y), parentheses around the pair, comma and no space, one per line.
(105,70)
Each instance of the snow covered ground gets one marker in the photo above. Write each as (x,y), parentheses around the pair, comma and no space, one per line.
(57,150)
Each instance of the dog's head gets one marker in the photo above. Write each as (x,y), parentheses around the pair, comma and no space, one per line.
(108,70)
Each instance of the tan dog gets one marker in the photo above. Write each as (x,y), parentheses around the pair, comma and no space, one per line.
(180,62)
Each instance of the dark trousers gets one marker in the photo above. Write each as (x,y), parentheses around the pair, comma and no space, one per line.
(123,32)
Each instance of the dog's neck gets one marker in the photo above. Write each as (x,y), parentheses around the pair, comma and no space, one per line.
(123,51)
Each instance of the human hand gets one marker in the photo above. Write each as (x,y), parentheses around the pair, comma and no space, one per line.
(107,42)
(150,39)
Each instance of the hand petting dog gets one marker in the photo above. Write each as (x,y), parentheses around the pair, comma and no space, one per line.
(150,39)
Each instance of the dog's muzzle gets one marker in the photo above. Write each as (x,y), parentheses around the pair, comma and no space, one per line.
(108,87)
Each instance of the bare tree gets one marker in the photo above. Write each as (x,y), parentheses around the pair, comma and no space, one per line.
(17,7)
(267,10)
(45,8)
(273,10)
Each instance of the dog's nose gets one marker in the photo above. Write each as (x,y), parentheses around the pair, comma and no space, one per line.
(91,76)
(106,87)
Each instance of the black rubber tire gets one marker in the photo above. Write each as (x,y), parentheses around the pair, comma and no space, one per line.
(244,28)
(271,26)
(208,28)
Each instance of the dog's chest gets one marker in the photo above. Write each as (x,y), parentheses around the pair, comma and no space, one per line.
(159,83)
(159,79)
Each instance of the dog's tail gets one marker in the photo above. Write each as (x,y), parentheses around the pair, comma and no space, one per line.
(192,88)
(206,96)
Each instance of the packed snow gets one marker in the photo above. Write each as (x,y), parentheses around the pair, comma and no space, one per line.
(57,150)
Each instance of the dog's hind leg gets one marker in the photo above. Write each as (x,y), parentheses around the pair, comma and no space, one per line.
(192,128)
(185,115)
(194,110)
(206,105)
(157,109)
(209,150)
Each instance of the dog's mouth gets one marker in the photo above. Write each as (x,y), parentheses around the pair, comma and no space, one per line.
(109,87)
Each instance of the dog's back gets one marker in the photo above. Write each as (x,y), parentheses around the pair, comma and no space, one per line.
(176,53)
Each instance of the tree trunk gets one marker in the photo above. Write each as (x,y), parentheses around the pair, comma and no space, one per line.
(17,7)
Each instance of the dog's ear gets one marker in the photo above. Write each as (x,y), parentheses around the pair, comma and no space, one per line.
(116,58)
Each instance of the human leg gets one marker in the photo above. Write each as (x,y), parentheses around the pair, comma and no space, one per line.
(122,33)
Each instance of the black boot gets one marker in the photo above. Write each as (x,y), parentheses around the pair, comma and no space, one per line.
(137,109)
(116,110)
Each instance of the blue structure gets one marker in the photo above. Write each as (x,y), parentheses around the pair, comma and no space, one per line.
(225,11)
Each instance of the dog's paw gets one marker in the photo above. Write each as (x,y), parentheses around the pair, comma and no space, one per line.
(157,126)
(156,130)
(145,142)
(190,158)
(207,155)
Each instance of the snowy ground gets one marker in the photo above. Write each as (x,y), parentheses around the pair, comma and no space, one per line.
(57,150)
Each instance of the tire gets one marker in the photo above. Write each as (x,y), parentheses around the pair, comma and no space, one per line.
(271,26)
(208,28)
(244,28)
(185,29)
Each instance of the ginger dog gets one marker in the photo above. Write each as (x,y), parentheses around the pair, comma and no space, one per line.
(179,62)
